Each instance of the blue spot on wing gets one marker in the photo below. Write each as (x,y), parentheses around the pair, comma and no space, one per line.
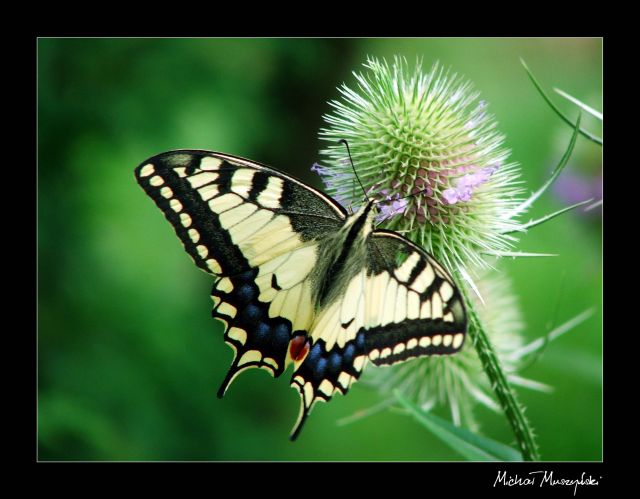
(321,367)
(349,352)
(246,293)
(315,353)
(252,313)
(335,362)
(263,331)
(282,333)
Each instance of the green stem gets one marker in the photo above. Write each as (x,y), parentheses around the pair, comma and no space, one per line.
(556,172)
(546,218)
(505,394)
(584,133)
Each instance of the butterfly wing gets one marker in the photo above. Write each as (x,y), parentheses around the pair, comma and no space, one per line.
(402,305)
(337,355)
(415,306)
(255,229)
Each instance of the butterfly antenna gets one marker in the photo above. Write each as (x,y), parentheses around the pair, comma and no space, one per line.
(343,141)
(412,194)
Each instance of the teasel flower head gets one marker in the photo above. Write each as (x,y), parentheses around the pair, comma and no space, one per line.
(423,143)
(457,381)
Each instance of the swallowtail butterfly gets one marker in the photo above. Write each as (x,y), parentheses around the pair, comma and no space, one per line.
(299,280)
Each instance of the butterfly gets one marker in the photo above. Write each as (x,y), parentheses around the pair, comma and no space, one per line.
(299,280)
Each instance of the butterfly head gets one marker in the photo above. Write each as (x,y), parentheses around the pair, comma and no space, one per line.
(361,222)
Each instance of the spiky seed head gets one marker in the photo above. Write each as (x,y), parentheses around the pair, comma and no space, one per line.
(427,147)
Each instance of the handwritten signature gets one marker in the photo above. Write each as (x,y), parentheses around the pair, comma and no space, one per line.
(543,478)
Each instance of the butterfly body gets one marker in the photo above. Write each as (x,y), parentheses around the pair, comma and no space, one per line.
(341,254)
(300,281)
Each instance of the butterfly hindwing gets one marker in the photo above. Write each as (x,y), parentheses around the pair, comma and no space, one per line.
(257,339)
(337,355)
(416,307)
(254,228)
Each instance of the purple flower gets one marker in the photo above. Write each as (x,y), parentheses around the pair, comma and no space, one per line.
(331,178)
(328,175)
(450,196)
(465,185)
(573,188)
(390,205)
(319,169)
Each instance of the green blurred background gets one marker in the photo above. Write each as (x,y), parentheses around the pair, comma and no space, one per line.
(129,358)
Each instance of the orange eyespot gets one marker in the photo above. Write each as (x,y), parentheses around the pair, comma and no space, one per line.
(299,348)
